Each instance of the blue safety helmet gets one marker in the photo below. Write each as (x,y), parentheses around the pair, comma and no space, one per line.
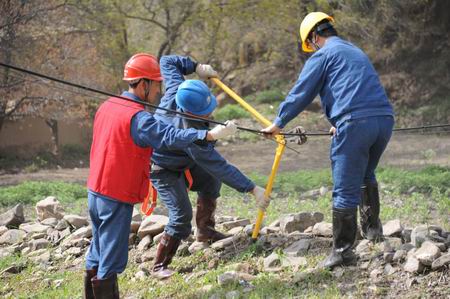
(195,97)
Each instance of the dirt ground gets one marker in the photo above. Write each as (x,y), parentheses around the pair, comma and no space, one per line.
(404,151)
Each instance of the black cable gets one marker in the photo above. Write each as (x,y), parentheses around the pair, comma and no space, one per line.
(154,111)
(186,115)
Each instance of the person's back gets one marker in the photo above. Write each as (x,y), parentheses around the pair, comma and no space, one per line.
(351,86)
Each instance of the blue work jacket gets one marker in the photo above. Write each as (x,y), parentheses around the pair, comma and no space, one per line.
(202,153)
(346,80)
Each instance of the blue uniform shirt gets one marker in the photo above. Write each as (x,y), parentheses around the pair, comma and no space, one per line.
(173,69)
(346,80)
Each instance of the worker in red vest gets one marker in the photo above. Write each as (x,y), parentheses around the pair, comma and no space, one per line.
(123,140)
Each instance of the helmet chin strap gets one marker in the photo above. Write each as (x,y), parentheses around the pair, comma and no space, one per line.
(315,44)
(147,89)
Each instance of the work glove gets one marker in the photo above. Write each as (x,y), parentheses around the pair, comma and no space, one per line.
(300,138)
(205,71)
(262,202)
(222,131)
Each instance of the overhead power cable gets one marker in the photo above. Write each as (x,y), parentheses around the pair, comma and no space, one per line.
(183,114)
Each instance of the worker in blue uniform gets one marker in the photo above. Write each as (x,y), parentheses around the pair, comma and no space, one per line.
(172,167)
(362,119)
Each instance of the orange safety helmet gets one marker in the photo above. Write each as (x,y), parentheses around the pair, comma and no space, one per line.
(142,66)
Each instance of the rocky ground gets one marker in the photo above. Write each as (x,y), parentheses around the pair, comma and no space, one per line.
(411,262)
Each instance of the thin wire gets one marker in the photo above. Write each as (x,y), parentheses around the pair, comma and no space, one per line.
(154,111)
(188,116)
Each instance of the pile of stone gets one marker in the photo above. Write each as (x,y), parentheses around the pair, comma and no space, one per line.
(56,236)
(413,250)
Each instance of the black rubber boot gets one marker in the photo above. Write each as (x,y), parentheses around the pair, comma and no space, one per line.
(344,235)
(107,288)
(88,275)
(369,213)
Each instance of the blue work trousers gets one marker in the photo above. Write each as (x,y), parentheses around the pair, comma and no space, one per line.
(355,152)
(111,220)
(172,190)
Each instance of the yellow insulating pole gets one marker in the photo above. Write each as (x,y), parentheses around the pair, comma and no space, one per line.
(280,149)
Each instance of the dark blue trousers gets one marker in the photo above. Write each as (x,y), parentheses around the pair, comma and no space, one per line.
(111,221)
(355,152)
(172,190)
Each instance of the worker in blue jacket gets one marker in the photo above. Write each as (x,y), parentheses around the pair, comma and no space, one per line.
(362,119)
(204,164)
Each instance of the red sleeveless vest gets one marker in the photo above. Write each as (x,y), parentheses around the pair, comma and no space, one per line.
(119,169)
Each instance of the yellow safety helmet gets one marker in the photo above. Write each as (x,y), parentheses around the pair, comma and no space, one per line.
(308,23)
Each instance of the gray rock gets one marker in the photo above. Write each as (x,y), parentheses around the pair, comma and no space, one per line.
(323,191)
(49,208)
(299,222)
(320,243)
(3,229)
(13,217)
(427,253)
(83,232)
(232,295)
(183,249)
(52,222)
(137,216)
(441,246)
(62,225)
(238,229)
(440,262)
(298,248)
(388,257)
(390,244)
(311,194)
(272,262)
(222,244)
(407,247)
(393,228)
(34,227)
(389,270)
(406,235)
(363,246)
(323,229)
(413,265)
(158,237)
(231,224)
(276,223)
(74,251)
(224,218)
(145,243)
(40,256)
(38,244)
(227,278)
(141,275)
(12,236)
(293,261)
(197,246)
(399,256)
(76,221)
(152,225)
(419,235)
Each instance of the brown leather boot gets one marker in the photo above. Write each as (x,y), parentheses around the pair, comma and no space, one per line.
(166,250)
(204,218)
(107,288)
(88,275)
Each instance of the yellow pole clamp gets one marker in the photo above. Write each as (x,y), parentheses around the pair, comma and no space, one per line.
(279,152)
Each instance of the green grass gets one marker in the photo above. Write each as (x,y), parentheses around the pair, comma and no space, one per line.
(32,192)
(429,203)
(231,111)
(270,96)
